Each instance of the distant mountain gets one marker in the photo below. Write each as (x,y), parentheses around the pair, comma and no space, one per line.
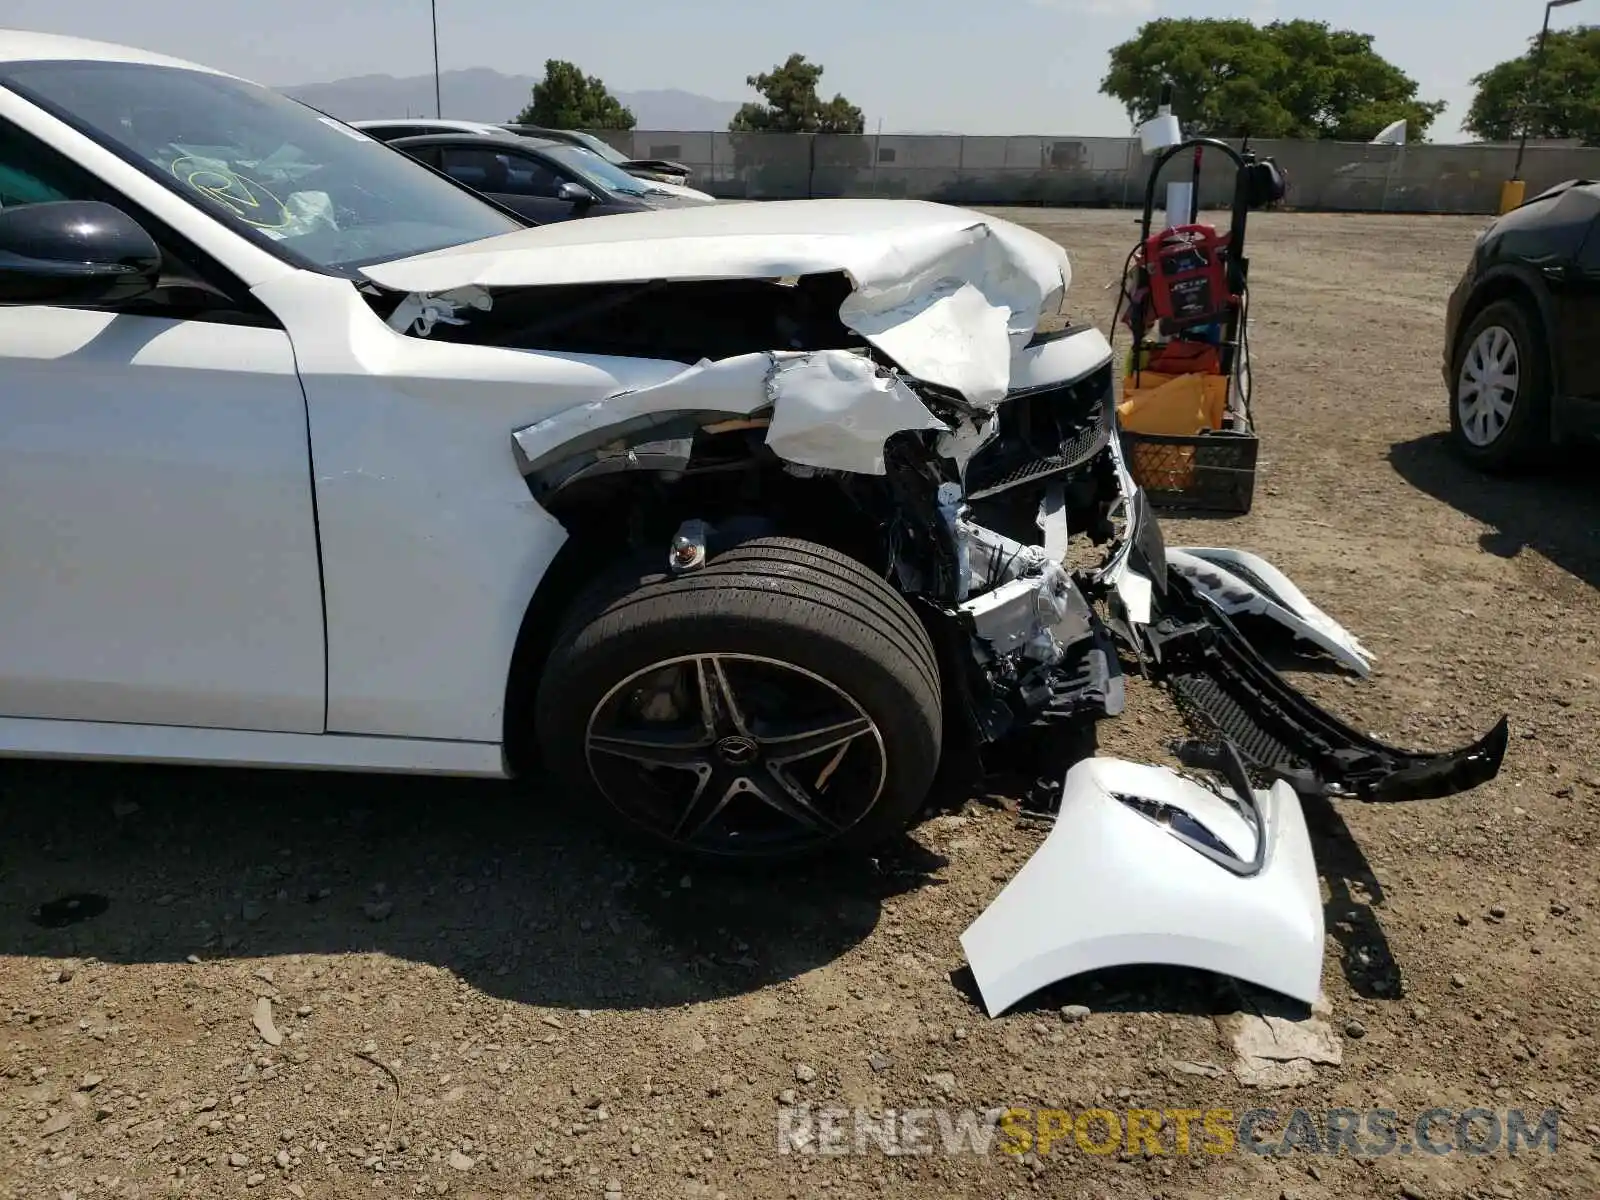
(480,94)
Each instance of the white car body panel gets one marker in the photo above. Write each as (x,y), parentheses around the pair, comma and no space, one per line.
(432,546)
(831,409)
(1238,582)
(1060,360)
(159,544)
(1110,887)
(1134,592)
(22,45)
(950,295)
(90,741)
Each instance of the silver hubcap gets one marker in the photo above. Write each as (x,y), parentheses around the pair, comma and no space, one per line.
(1487,389)
(735,754)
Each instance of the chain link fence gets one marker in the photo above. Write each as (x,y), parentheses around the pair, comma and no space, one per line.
(1100,172)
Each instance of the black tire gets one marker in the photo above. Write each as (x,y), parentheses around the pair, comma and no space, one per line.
(1524,437)
(784,621)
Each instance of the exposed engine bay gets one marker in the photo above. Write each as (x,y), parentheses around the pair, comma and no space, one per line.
(1028,549)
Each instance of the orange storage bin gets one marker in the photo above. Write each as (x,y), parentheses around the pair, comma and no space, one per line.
(1169,406)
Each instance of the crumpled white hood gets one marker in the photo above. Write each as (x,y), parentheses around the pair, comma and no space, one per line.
(949,294)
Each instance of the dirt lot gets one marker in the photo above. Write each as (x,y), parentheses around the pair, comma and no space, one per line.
(477,996)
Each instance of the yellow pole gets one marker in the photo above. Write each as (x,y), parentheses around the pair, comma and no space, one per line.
(1512,192)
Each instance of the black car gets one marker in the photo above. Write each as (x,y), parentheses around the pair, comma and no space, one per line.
(1522,334)
(543,181)
(663,169)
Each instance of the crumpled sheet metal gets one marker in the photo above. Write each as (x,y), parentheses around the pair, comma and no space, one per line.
(834,410)
(950,295)
(831,409)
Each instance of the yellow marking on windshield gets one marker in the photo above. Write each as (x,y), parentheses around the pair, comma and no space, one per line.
(250,201)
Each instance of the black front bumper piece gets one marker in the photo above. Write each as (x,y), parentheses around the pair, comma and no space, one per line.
(1224,687)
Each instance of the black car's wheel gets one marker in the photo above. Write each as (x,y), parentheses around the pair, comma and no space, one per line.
(780,701)
(1500,408)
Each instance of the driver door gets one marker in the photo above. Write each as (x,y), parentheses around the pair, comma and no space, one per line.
(158,547)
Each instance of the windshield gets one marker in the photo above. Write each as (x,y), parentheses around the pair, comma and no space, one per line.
(589,163)
(274,169)
(601,147)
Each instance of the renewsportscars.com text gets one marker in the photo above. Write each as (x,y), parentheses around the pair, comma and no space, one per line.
(1362,1133)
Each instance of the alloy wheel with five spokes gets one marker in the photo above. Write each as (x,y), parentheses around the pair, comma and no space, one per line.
(735,754)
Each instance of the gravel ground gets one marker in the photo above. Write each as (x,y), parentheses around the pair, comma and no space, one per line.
(327,986)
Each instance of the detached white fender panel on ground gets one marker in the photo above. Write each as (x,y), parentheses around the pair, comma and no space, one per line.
(1239,582)
(1119,882)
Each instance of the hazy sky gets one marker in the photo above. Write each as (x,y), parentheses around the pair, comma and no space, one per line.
(1002,66)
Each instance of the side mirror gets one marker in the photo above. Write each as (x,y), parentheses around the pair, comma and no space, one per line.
(74,252)
(574,193)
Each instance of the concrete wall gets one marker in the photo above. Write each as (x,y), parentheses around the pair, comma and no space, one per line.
(1335,176)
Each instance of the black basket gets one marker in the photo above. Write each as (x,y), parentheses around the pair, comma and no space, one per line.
(1210,472)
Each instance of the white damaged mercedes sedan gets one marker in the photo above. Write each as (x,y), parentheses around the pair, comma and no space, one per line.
(733,522)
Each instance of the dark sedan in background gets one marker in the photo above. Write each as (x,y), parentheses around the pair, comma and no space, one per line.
(662,169)
(542,180)
(1522,333)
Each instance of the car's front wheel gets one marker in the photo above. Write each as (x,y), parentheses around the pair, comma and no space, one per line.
(780,701)
(1499,413)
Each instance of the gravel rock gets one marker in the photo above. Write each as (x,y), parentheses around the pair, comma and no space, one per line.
(804,1072)
(1458,981)
(460,1162)
(1354,1029)
(1073,1013)
(261,1018)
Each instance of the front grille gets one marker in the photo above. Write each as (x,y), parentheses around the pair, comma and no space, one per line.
(1043,433)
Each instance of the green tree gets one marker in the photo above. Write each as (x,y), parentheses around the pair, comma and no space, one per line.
(1563,103)
(1288,79)
(793,105)
(566,98)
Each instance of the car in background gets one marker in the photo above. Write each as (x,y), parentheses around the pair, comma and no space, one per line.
(662,170)
(1521,355)
(668,176)
(388,131)
(543,181)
